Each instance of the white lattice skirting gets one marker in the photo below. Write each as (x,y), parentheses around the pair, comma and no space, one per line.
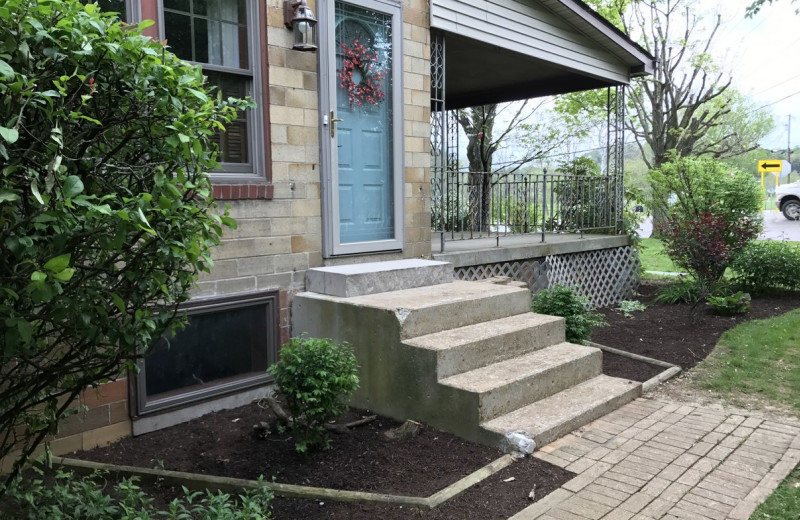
(605,276)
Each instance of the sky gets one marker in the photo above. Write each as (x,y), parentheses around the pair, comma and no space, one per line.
(762,54)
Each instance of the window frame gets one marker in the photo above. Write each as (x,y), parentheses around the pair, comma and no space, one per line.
(207,306)
(257,171)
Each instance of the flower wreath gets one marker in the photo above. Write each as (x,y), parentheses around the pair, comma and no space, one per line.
(367,87)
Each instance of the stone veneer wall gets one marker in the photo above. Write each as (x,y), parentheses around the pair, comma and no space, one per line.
(279,239)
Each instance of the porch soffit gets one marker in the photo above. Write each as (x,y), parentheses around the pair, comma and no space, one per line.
(505,50)
(478,74)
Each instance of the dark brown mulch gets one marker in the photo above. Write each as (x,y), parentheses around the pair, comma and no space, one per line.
(673,333)
(223,444)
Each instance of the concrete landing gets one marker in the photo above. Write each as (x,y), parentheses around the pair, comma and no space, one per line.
(377,277)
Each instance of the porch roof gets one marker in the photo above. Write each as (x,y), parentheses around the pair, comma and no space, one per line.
(505,50)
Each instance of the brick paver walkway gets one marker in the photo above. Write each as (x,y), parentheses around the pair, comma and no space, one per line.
(654,460)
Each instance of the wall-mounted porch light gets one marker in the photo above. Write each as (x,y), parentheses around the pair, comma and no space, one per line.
(298,17)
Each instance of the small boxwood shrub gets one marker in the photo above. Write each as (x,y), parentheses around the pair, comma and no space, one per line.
(766,265)
(576,309)
(68,496)
(316,378)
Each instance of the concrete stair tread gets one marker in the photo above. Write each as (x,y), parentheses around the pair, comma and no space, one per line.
(557,415)
(460,336)
(425,297)
(525,367)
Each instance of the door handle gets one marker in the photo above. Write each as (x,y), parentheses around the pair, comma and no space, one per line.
(334,120)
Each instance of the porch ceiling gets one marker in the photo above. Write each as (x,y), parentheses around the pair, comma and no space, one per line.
(478,73)
(505,50)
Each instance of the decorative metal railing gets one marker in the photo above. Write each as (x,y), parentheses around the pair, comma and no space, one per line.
(477,204)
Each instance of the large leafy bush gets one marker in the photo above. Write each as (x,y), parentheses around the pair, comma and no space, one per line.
(766,265)
(710,213)
(687,186)
(105,215)
(316,378)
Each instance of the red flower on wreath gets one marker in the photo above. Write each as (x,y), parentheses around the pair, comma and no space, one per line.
(367,85)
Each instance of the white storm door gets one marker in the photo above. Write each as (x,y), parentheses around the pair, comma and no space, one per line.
(361,102)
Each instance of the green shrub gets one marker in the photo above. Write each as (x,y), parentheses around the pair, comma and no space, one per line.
(576,309)
(737,303)
(685,290)
(707,214)
(689,186)
(764,265)
(316,378)
(106,218)
(70,497)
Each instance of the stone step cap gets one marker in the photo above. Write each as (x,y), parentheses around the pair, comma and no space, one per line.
(346,281)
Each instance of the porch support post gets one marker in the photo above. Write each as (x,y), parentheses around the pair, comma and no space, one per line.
(616,153)
(439,137)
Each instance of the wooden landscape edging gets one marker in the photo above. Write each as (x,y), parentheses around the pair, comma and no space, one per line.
(670,372)
(196,481)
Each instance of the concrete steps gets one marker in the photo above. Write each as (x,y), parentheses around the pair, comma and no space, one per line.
(473,346)
(466,357)
(505,386)
(548,419)
(426,310)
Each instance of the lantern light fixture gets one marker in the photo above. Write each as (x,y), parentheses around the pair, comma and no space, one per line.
(298,17)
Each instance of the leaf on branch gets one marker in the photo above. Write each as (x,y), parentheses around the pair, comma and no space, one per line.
(72,186)
(8,196)
(6,71)
(9,135)
(58,263)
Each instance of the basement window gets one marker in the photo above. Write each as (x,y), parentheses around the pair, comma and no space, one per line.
(226,347)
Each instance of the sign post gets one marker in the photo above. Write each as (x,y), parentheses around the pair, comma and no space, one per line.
(778,167)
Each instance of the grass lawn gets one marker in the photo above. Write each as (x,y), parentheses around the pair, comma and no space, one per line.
(653,257)
(784,503)
(761,360)
(759,357)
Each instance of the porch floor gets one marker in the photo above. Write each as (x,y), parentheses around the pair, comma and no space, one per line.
(508,248)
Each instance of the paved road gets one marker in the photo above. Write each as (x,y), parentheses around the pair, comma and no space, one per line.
(776,227)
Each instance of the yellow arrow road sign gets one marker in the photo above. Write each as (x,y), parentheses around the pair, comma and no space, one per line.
(770,165)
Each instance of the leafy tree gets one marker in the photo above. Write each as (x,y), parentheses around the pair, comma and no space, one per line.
(485,138)
(687,105)
(105,215)
(756,6)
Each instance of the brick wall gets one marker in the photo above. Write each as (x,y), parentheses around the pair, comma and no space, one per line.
(105,420)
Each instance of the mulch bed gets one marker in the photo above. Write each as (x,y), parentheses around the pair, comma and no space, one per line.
(674,333)
(223,443)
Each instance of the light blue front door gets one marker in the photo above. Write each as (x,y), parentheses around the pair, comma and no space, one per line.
(363,128)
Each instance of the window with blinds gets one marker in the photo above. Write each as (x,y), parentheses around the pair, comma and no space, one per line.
(216,34)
